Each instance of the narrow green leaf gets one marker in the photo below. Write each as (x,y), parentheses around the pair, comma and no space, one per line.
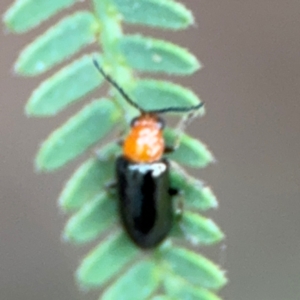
(152,55)
(65,87)
(89,179)
(190,152)
(195,193)
(91,220)
(199,230)
(24,15)
(166,14)
(156,94)
(80,132)
(138,283)
(106,261)
(179,289)
(58,43)
(194,268)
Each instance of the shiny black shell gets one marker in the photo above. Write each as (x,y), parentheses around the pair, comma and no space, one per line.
(145,204)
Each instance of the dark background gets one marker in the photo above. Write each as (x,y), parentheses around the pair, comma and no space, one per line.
(250,83)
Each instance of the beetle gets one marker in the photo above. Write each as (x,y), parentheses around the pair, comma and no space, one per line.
(142,175)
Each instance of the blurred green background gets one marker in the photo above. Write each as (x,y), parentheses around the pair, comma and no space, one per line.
(251,86)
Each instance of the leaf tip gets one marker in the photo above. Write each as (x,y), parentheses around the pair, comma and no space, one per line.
(65,238)
(29,109)
(211,158)
(61,202)
(42,161)
(38,162)
(210,197)
(64,200)
(80,279)
(206,156)
(38,166)
(8,18)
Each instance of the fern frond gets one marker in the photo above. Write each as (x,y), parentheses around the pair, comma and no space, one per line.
(175,269)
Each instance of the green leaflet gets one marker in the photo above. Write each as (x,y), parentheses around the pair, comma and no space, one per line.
(24,15)
(91,220)
(191,152)
(194,268)
(152,55)
(68,85)
(89,179)
(157,94)
(106,261)
(166,14)
(138,283)
(195,194)
(58,43)
(80,132)
(179,289)
(199,230)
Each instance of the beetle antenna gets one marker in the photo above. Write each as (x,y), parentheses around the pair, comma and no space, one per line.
(134,104)
(183,124)
(117,87)
(178,109)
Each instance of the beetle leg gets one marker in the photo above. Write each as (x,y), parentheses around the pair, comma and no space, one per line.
(173,191)
(169,149)
(180,129)
(120,142)
(179,203)
(179,207)
(110,187)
